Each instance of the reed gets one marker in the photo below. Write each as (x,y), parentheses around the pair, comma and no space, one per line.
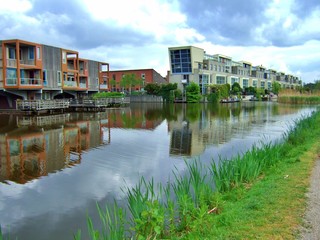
(303,99)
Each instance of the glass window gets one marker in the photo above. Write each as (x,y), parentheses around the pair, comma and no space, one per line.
(180,61)
(12,53)
(31,53)
(221,79)
(38,53)
(45,77)
(245,83)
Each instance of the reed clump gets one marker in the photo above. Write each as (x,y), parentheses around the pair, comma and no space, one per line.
(295,97)
(160,211)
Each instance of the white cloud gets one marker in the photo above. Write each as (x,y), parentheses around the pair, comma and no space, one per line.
(15,6)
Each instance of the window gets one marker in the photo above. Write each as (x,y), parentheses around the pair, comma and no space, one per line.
(269,85)
(12,53)
(31,53)
(44,77)
(180,61)
(245,83)
(38,53)
(143,75)
(254,83)
(234,80)
(221,79)
(59,78)
(262,84)
(64,57)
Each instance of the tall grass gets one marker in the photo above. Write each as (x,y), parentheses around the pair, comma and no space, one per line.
(158,211)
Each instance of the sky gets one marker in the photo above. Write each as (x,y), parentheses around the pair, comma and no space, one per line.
(283,35)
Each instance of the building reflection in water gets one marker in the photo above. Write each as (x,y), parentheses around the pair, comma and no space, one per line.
(31,147)
(45,144)
(197,126)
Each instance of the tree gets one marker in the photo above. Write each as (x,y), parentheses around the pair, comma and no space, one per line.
(152,88)
(276,87)
(113,84)
(235,89)
(193,93)
(167,91)
(129,81)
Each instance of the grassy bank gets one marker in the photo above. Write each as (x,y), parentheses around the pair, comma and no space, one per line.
(260,194)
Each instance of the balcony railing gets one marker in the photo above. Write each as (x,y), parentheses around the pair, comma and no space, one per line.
(11,81)
(82,85)
(70,84)
(27,62)
(30,82)
(12,63)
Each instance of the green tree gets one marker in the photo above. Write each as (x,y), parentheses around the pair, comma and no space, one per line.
(152,88)
(129,81)
(193,93)
(236,89)
(276,87)
(113,84)
(167,91)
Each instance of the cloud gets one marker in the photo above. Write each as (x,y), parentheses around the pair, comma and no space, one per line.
(139,34)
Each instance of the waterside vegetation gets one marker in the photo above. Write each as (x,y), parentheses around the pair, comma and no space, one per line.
(302,97)
(259,194)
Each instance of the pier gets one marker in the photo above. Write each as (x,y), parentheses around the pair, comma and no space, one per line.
(60,106)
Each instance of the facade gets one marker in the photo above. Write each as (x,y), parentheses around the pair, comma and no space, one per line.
(144,75)
(31,71)
(192,64)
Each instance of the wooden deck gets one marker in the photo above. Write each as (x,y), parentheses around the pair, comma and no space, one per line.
(45,106)
(41,105)
(100,103)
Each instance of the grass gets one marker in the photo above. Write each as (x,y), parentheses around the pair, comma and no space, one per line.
(260,194)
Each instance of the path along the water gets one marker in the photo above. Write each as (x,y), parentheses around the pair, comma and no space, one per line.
(311,228)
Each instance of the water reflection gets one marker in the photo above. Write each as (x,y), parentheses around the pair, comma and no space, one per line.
(57,167)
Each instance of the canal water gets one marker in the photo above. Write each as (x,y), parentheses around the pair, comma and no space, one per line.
(54,169)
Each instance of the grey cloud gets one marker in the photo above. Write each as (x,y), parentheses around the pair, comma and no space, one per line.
(240,23)
(84,31)
(225,22)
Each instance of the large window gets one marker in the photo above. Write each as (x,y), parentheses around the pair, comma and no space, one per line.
(262,84)
(221,79)
(181,61)
(245,83)
(234,80)
(31,53)
(255,83)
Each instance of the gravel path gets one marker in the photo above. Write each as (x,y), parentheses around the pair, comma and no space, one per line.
(311,228)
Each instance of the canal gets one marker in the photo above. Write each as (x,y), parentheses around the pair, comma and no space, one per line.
(54,169)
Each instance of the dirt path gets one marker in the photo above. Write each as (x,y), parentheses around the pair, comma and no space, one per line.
(311,228)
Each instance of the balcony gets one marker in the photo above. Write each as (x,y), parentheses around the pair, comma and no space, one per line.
(11,81)
(82,85)
(12,63)
(70,84)
(103,86)
(26,82)
(30,62)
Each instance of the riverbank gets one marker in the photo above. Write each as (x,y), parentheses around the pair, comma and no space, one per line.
(273,206)
(259,195)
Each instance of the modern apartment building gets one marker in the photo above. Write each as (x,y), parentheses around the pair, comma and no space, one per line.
(31,71)
(193,64)
(144,75)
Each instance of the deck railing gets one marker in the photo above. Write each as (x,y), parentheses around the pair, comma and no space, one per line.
(38,105)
